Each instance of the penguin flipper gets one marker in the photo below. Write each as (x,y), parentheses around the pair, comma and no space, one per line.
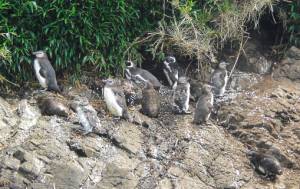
(43,73)
(120,97)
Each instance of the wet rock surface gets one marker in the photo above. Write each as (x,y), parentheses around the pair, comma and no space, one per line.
(266,118)
(39,151)
(289,67)
(253,59)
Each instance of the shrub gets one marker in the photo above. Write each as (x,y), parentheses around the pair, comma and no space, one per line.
(75,34)
(294,23)
(197,29)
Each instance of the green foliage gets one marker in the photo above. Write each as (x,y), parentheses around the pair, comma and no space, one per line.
(75,34)
(294,23)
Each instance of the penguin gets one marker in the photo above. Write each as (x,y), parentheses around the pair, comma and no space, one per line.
(170,69)
(51,106)
(150,101)
(86,114)
(219,79)
(196,89)
(181,96)
(115,99)
(139,75)
(204,105)
(265,164)
(45,72)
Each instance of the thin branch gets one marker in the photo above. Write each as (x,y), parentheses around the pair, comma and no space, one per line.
(242,44)
(2,78)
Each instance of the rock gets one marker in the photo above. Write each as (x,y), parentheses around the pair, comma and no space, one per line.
(25,111)
(128,137)
(263,120)
(289,67)
(164,152)
(253,60)
(67,174)
(165,184)
(30,169)
(241,81)
(115,177)
(10,163)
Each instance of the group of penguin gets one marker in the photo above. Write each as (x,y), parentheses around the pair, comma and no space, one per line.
(115,100)
(181,88)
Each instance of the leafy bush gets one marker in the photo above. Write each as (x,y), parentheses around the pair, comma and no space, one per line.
(294,23)
(75,34)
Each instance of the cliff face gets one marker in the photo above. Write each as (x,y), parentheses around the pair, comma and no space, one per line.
(166,152)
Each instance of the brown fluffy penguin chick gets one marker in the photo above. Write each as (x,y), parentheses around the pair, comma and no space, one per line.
(150,101)
(204,106)
(52,106)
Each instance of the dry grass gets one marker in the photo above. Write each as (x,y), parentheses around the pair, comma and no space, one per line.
(188,38)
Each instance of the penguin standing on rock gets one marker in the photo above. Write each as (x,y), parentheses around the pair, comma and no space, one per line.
(139,75)
(265,164)
(181,96)
(219,79)
(45,72)
(204,105)
(150,101)
(171,71)
(196,89)
(115,99)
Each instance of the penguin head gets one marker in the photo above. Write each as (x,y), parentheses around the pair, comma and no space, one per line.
(130,64)
(170,60)
(111,82)
(40,54)
(223,65)
(206,89)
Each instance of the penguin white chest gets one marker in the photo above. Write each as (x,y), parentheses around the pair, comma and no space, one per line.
(41,79)
(111,102)
(186,104)
(222,90)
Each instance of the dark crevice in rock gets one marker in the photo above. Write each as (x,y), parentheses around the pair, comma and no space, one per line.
(77,149)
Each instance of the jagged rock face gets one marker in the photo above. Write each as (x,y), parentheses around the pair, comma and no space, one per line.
(43,151)
(241,81)
(166,152)
(253,60)
(267,118)
(289,67)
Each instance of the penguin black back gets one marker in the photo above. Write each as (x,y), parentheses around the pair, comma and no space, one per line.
(139,75)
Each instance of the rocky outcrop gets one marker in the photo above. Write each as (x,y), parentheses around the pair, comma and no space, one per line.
(266,118)
(253,60)
(46,151)
(39,151)
(289,67)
